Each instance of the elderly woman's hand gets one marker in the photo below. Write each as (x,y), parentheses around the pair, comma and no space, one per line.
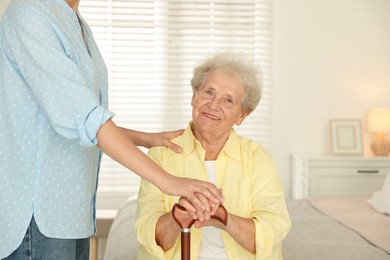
(199,215)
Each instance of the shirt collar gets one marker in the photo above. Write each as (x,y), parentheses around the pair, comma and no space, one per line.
(231,148)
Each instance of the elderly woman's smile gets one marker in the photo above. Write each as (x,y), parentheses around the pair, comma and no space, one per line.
(211,116)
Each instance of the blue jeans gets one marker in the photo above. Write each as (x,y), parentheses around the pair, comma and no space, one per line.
(36,246)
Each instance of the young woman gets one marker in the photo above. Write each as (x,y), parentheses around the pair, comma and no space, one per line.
(54,125)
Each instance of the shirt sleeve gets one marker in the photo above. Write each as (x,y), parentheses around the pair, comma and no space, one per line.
(151,206)
(50,66)
(269,213)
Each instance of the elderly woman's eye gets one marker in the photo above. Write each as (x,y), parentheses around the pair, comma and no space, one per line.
(229,100)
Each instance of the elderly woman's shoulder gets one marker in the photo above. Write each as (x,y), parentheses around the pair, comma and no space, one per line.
(252,145)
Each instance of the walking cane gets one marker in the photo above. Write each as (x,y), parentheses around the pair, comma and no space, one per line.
(185,222)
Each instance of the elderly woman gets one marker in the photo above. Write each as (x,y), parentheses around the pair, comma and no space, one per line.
(226,89)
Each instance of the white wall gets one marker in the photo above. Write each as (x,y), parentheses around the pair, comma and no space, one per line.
(332,60)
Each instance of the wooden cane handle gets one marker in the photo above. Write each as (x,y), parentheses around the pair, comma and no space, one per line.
(185,222)
(181,216)
(221,215)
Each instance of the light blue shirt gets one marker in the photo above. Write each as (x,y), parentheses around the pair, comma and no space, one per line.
(53,99)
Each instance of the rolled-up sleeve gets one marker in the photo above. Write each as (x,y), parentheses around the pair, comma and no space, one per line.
(269,213)
(50,62)
(89,127)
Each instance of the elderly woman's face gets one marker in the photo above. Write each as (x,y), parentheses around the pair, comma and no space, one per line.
(217,105)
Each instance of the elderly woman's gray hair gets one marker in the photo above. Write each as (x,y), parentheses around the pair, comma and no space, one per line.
(232,63)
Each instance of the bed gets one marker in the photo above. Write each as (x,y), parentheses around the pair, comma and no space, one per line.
(341,208)
(337,228)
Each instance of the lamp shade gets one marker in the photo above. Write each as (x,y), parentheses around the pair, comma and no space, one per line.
(379,120)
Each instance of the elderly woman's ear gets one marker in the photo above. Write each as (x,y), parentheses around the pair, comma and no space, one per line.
(192,99)
(242,117)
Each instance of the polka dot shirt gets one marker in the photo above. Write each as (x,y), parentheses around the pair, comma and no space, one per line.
(53,99)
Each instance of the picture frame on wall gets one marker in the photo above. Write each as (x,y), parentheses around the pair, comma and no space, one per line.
(346,136)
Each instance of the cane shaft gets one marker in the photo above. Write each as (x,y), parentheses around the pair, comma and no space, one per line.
(185,245)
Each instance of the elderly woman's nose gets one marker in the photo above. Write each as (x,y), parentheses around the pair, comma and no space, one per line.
(214,103)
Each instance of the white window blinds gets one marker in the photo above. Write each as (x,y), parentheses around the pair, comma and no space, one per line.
(151,47)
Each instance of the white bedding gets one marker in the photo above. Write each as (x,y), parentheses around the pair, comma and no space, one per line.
(380,200)
(122,243)
(317,236)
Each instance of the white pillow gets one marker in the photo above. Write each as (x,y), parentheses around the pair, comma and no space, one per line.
(122,242)
(380,200)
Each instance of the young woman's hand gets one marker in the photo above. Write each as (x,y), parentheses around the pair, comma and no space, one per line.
(164,139)
(202,196)
(149,140)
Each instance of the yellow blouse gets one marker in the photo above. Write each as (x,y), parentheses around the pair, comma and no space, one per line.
(251,187)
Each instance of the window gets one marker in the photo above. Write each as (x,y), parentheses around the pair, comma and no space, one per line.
(151,47)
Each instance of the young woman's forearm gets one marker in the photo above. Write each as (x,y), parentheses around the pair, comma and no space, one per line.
(116,143)
(149,140)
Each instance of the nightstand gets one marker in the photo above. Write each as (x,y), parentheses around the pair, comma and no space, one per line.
(320,176)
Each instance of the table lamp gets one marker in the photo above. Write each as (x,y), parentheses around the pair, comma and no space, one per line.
(379,123)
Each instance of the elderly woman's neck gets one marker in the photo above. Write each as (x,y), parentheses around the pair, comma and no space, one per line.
(211,143)
(74,4)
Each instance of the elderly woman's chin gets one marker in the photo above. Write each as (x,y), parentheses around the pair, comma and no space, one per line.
(211,125)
